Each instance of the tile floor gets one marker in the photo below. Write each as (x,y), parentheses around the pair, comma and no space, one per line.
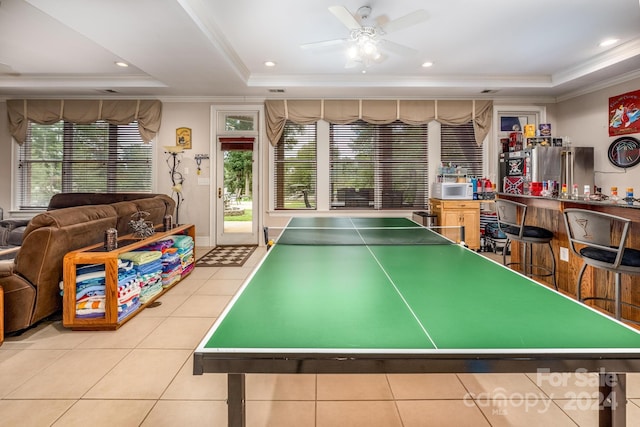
(141,375)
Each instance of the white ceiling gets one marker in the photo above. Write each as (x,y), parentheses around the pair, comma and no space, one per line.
(217,48)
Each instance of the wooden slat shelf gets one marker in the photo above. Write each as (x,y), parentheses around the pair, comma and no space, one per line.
(96,254)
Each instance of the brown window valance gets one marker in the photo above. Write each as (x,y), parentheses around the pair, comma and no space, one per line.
(148,114)
(378,111)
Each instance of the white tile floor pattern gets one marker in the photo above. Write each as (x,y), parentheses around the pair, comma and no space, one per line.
(141,375)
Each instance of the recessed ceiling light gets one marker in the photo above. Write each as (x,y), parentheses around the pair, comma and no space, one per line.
(269,64)
(122,64)
(427,64)
(608,42)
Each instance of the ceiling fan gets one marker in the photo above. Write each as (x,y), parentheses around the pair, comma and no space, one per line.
(366,38)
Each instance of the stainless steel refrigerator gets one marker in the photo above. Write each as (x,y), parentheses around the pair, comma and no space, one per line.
(565,165)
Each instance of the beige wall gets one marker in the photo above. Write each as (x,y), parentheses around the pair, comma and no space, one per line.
(194,209)
(585,120)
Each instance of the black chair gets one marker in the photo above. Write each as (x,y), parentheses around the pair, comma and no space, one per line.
(599,239)
(512,217)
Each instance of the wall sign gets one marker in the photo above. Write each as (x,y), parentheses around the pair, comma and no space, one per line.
(624,152)
(183,138)
(624,114)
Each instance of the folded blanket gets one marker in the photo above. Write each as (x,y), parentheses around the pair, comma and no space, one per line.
(160,245)
(141,257)
(89,268)
(89,291)
(188,269)
(89,276)
(125,310)
(149,268)
(180,241)
(93,306)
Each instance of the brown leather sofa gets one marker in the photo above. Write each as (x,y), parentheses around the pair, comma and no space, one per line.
(31,280)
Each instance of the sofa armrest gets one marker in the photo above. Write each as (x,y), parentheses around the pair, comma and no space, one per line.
(6,267)
(13,223)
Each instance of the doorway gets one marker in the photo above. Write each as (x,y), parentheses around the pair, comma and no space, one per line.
(236,174)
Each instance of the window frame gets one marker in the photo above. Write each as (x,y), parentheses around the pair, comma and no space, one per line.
(277,201)
(388,167)
(65,162)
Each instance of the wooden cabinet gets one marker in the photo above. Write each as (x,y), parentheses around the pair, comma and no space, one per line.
(96,254)
(456,213)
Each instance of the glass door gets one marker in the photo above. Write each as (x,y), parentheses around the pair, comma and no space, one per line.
(236,208)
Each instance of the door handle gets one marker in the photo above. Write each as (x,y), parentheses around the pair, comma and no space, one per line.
(219,193)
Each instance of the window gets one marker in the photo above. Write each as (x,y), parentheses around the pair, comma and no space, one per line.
(67,157)
(378,166)
(295,168)
(238,121)
(458,147)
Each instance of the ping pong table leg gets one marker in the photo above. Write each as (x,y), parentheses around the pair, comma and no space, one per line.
(613,400)
(235,400)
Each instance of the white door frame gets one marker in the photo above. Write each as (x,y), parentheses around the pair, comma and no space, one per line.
(217,236)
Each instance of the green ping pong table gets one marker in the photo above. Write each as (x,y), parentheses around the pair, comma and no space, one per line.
(386,295)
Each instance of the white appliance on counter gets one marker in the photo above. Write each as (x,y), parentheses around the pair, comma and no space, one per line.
(452,190)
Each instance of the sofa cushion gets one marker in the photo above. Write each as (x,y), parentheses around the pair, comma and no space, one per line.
(66,200)
(15,236)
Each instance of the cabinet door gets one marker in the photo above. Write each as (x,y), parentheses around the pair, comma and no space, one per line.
(452,218)
(471,222)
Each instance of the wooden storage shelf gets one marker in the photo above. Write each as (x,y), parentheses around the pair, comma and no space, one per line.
(95,254)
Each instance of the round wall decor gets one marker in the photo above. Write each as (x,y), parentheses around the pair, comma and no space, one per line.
(624,152)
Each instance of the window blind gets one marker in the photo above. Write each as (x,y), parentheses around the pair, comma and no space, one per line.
(378,166)
(67,157)
(295,166)
(458,147)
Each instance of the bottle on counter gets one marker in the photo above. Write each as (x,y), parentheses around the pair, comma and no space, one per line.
(614,195)
(564,194)
(587,192)
(545,189)
(574,192)
(629,197)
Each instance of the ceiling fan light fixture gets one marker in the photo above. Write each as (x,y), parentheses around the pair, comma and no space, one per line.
(366,43)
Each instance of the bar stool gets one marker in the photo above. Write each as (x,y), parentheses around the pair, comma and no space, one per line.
(599,239)
(511,221)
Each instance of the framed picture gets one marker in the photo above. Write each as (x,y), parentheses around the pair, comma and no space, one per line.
(624,114)
(512,123)
(183,138)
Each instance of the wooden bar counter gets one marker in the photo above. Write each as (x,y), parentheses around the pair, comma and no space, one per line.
(548,213)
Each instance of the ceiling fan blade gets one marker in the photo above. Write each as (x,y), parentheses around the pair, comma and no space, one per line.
(406,21)
(345,17)
(397,48)
(324,43)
